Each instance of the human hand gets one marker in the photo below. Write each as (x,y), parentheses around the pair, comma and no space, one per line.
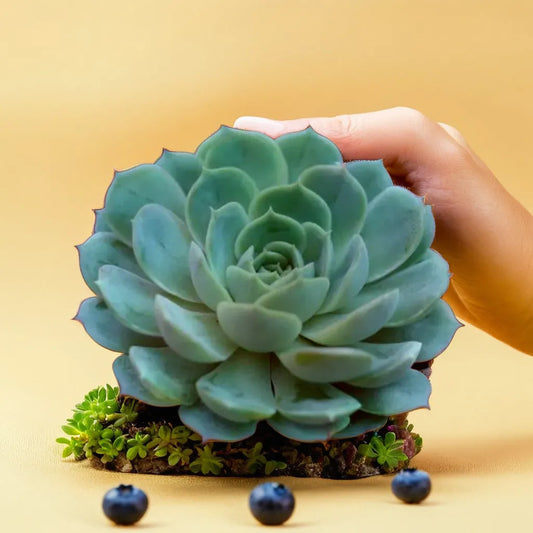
(484,233)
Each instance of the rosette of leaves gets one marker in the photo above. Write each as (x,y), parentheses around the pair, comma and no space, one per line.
(267,280)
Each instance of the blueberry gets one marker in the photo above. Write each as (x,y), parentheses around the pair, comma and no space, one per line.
(271,503)
(411,485)
(125,504)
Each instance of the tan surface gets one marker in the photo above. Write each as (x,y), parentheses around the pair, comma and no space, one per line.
(88,87)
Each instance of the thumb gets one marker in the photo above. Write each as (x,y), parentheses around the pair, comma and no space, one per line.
(404,138)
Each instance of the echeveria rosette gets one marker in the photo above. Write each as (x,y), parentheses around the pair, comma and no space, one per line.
(262,279)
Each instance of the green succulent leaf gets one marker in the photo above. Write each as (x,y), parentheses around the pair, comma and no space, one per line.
(344,196)
(318,249)
(305,432)
(303,297)
(254,153)
(130,297)
(138,186)
(361,423)
(167,375)
(325,364)
(131,385)
(345,329)
(257,328)
(184,167)
(389,363)
(225,225)
(100,223)
(207,285)
(244,286)
(410,392)
(213,427)
(372,176)
(310,403)
(420,286)
(214,189)
(102,326)
(398,214)
(349,277)
(295,201)
(270,227)
(435,331)
(239,389)
(194,336)
(307,148)
(104,248)
(161,244)
(426,240)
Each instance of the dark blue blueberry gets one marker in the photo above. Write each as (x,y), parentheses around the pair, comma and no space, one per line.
(125,504)
(411,485)
(271,503)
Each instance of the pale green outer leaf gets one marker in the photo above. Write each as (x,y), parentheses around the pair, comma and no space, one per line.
(435,331)
(303,297)
(305,432)
(295,201)
(212,427)
(256,328)
(318,249)
(166,375)
(138,186)
(130,384)
(216,188)
(309,403)
(420,286)
(244,287)
(102,326)
(184,167)
(345,329)
(207,286)
(99,221)
(104,248)
(392,231)
(268,228)
(239,389)
(254,153)
(194,336)
(130,297)
(321,364)
(306,148)
(360,423)
(349,277)
(225,225)
(372,176)
(161,245)
(344,196)
(389,363)
(425,241)
(410,392)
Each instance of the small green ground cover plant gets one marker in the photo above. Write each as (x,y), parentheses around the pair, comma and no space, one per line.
(120,433)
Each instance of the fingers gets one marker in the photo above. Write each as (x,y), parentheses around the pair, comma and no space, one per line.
(404,138)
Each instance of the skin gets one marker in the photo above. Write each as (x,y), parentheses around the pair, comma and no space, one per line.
(484,233)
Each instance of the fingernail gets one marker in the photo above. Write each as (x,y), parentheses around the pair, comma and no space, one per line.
(264,125)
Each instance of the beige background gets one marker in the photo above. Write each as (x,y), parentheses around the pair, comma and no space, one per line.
(86,87)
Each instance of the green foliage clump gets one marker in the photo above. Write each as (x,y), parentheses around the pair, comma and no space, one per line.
(387,450)
(118,432)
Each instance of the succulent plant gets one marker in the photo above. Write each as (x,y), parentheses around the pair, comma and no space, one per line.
(267,280)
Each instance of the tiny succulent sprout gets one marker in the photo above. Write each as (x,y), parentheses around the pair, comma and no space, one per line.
(411,485)
(125,505)
(272,504)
